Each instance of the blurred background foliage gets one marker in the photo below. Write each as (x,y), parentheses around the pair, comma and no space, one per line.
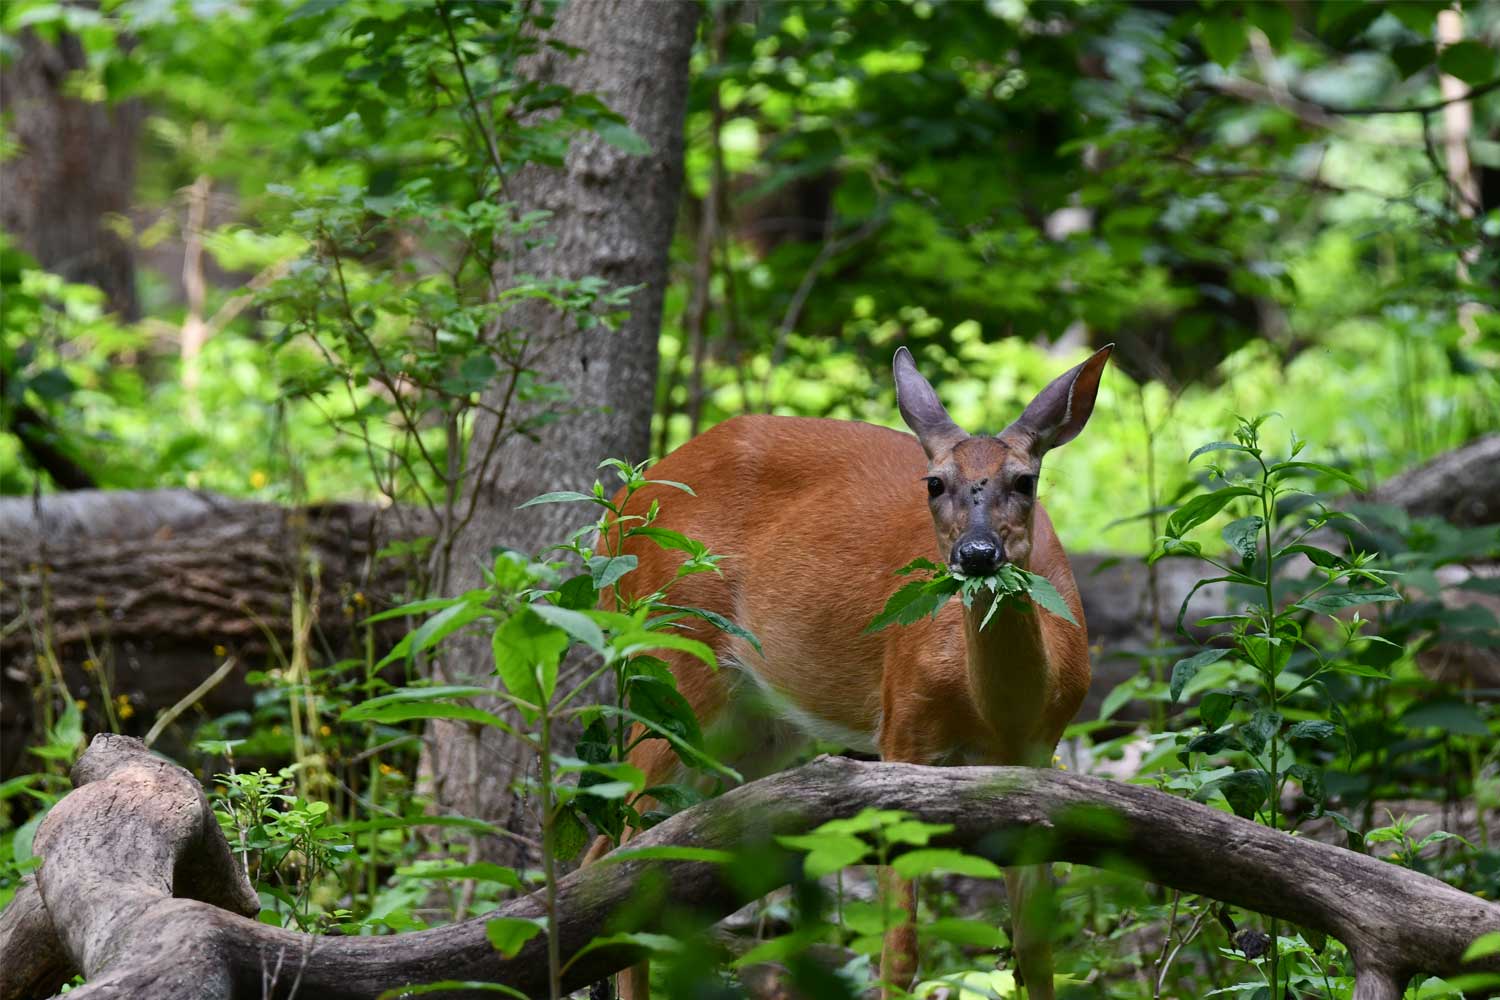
(1228,190)
(1269,207)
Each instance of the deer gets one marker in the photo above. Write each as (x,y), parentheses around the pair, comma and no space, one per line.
(813,517)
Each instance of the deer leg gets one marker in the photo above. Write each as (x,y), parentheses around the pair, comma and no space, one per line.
(1030,934)
(898,955)
(707,693)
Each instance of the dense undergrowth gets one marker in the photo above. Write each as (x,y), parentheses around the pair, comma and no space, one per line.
(1314,703)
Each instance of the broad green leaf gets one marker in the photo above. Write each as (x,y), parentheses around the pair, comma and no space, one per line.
(1313,730)
(1262,727)
(1483,946)
(664,706)
(958,930)
(480,871)
(1202,507)
(1245,791)
(1213,446)
(1243,535)
(1214,709)
(508,934)
(436,692)
(827,852)
(1186,669)
(526,650)
(914,831)
(434,630)
(1470,60)
(1046,596)
(669,539)
(1311,780)
(414,608)
(1117,698)
(1317,556)
(1319,467)
(656,944)
(396,712)
(577,593)
(607,570)
(1223,38)
(690,754)
(1329,602)
(718,621)
(448,987)
(913,601)
(623,137)
(940,859)
(577,624)
(561,496)
(1211,743)
(634,643)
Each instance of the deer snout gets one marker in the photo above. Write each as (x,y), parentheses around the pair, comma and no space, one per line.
(977,555)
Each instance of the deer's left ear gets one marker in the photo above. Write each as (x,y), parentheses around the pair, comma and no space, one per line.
(1059,411)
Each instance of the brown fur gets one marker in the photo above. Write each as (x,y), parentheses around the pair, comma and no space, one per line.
(813,518)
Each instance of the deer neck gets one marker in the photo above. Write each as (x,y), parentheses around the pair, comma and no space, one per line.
(1010,677)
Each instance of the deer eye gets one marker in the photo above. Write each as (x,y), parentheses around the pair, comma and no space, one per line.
(1026,485)
(934,486)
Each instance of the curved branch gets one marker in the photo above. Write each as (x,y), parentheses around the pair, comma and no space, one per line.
(128,852)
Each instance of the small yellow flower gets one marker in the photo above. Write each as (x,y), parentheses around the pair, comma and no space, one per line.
(89,665)
(325,731)
(387,769)
(81,704)
(258,479)
(126,711)
(220,651)
(359,597)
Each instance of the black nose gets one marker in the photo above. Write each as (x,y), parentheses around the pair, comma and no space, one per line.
(977,556)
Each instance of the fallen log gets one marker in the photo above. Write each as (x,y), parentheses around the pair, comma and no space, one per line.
(164,577)
(153,589)
(138,891)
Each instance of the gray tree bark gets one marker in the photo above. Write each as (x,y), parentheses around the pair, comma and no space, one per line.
(76,168)
(612,216)
(138,890)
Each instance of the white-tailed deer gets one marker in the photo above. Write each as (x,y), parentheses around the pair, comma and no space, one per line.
(814,517)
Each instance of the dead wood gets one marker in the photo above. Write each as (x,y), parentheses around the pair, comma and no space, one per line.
(139,893)
(154,588)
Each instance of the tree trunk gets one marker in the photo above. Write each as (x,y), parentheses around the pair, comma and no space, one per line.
(612,216)
(138,890)
(75,170)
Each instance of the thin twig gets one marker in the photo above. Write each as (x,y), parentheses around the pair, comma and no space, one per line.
(190,699)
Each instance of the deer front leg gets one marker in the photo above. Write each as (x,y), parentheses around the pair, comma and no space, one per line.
(898,956)
(1031,938)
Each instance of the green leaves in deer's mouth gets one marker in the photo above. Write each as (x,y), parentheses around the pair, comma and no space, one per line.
(928,596)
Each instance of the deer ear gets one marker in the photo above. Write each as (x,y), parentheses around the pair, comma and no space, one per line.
(921,408)
(1059,411)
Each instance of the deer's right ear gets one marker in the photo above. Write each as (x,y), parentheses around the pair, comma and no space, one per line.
(921,408)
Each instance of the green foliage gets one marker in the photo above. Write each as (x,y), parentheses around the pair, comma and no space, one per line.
(970,179)
(1009,585)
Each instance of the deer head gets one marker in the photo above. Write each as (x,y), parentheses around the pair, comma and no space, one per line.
(982,489)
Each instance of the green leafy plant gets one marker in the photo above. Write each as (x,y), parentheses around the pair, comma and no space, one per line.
(1009,585)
